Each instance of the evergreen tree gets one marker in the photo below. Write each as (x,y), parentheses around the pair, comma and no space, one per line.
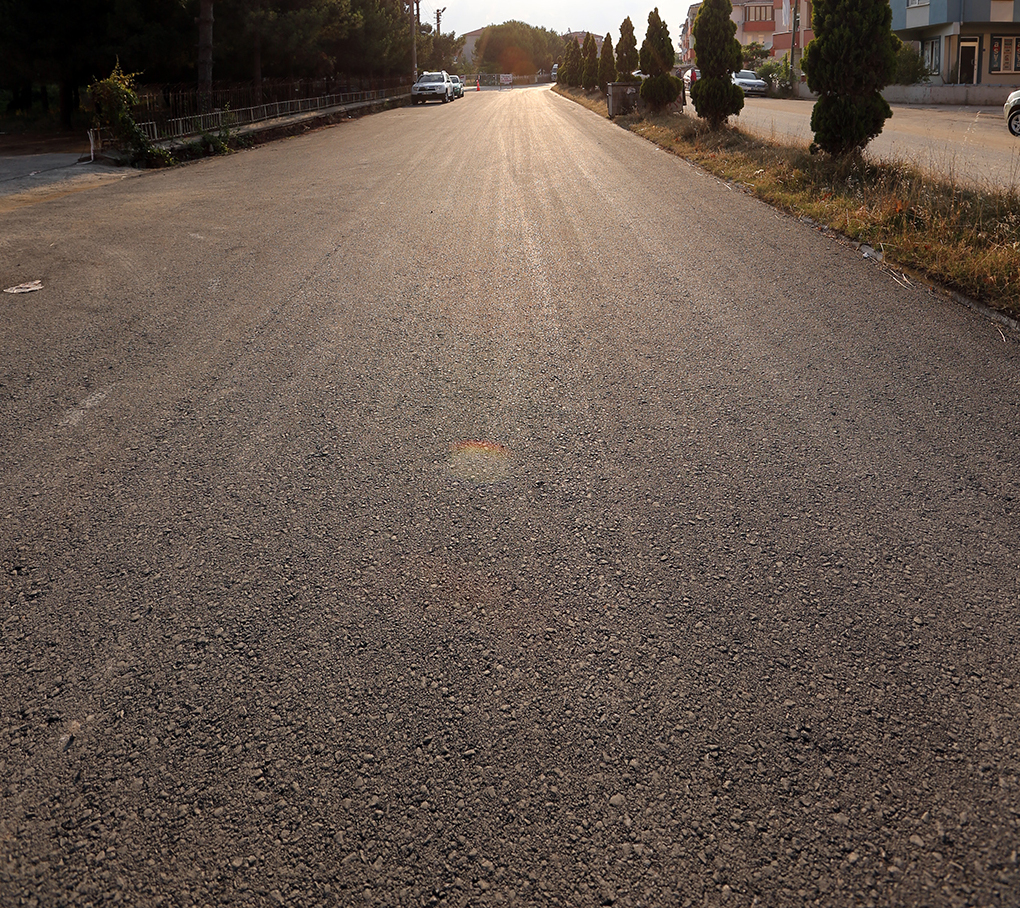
(607,64)
(718,54)
(657,58)
(626,51)
(590,66)
(851,59)
(572,64)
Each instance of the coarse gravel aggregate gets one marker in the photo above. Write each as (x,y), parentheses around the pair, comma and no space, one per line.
(473,505)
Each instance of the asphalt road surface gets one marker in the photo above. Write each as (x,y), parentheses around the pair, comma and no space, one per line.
(969,145)
(459,507)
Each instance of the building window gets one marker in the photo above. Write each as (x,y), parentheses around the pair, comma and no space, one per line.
(917,3)
(758,13)
(1002,58)
(933,55)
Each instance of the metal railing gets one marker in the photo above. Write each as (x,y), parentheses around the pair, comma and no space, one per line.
(169,128)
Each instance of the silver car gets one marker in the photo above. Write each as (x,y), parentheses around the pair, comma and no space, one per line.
(1011,111)
(749,81)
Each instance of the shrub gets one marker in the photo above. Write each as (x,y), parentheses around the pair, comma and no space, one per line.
(112,99)
(661,88)
(851,59)
(719,55)
(779,75)
(910,66)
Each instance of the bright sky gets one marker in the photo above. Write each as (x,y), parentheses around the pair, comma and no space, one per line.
(595,16)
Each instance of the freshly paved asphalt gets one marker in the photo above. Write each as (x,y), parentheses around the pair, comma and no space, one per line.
(475,505)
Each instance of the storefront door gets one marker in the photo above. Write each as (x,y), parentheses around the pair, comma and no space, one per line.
(968,61)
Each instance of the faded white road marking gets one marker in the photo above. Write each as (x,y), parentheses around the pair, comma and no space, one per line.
(75,416)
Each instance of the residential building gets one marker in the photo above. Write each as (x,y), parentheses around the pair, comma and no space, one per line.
(687,36)
(963,41)
(773,23)
(467,53)
(756,21)
(792,28)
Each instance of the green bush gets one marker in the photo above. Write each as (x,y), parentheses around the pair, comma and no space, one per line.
(657,58)
(910,66)
(851,59)
(779,75)
(112,99)
(719,55)
(661,90)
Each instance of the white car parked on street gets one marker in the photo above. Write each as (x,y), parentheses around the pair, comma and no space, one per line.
(432,86)
(749,81)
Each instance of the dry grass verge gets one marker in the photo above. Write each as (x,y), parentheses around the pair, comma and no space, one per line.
(967,240)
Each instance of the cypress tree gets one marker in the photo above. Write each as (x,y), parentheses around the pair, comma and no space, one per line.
(572,64)
(626,52)
(719,55)
(590,66)
(607,64)
(851,59)
(657,58)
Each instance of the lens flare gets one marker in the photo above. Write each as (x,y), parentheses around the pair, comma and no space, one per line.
(479,461)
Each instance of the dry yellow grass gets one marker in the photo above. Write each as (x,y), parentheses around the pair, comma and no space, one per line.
(963,239)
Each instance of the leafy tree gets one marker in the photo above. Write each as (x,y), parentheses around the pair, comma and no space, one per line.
(851,59)
(590,63)
(607,64)
(754,54)
(69,43)
(626,51)
(515,47)
(378,42)
(718,54)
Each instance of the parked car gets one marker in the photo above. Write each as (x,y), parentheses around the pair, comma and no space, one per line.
(432,86)
(458,87)
(748,80)
(1011,111)
(690,77)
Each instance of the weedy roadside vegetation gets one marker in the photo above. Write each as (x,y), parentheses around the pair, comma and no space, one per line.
(963,238)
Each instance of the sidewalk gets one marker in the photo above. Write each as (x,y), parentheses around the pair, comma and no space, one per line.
(29,178)
(25,179)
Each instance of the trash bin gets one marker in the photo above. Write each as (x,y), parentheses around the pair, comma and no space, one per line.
(622,97)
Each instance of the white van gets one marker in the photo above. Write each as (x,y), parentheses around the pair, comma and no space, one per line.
(555,69)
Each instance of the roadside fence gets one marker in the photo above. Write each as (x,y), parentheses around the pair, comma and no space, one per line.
(168,112)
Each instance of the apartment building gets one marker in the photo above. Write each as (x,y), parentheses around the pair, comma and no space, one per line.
(966,42)
(777,24)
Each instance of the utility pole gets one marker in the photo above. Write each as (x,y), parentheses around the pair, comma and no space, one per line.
(793,44)
(439,13)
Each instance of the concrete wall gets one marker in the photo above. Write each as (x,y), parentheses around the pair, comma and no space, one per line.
(964,95)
